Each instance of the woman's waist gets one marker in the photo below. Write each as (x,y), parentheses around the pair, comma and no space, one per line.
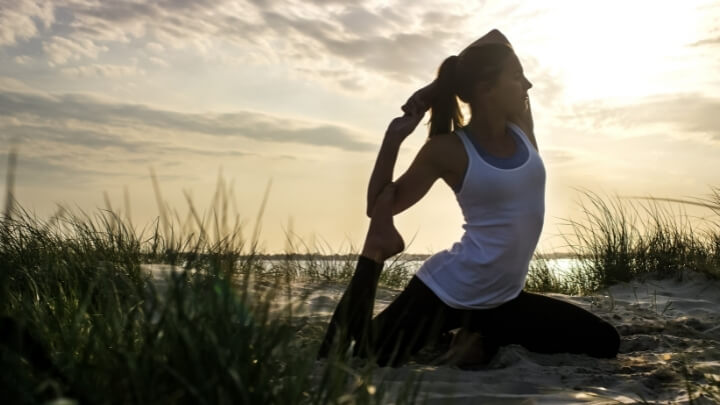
(475,272)
(492,215)
(503,229)
(482,249)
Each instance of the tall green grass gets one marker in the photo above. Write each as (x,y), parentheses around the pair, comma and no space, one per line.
(81,319)
(77,288)
(621,239)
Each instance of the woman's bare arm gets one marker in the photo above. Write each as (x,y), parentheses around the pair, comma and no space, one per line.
(396,133)
(383,171)
(423,172)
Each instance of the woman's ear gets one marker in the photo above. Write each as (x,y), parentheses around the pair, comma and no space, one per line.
(483,87)
(480,90)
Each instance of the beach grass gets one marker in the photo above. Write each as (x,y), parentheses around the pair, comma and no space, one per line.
(83,321)
(621,239)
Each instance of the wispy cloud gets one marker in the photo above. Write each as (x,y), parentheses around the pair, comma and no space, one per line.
(680,112)
(56,111)
(18,19)
(76,140)
(103,70)
(377,39)
(158,61)
(22,60)
(60,50)
(56,171)
(707,41)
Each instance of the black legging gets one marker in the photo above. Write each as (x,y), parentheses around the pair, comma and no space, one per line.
(417,317)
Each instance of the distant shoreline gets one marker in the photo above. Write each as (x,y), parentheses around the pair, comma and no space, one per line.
(404,256)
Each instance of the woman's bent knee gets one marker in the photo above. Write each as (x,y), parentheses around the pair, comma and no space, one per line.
(606,342)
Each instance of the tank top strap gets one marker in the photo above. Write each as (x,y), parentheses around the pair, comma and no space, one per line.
(469,148)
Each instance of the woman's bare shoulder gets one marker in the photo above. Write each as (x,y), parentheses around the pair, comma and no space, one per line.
(445,145)
(448,139)
(449,155)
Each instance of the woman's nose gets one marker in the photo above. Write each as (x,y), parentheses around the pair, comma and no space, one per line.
(528,84)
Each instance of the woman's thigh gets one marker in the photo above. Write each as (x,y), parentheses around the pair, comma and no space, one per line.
(548,325)
(417,317)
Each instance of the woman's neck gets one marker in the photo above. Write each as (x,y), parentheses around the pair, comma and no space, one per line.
(488,126)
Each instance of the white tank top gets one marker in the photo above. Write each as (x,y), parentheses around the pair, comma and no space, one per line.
(504,212)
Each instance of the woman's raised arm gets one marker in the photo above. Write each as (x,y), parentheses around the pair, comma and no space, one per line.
(396,133)
(382,173)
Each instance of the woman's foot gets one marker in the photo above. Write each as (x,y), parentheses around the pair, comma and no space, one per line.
(466,350)
(383,240)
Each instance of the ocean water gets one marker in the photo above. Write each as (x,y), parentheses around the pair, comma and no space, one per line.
(559,267)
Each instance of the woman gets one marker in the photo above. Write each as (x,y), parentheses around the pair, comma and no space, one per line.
(498,177)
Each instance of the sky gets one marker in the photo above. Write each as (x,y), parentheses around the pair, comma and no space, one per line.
(293,98)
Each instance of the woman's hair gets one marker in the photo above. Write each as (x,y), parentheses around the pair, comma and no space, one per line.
(457,77)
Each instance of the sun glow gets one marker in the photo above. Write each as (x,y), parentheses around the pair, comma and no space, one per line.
(614,50)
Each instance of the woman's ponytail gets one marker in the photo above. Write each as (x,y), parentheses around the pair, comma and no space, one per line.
(445,113)
(457,78)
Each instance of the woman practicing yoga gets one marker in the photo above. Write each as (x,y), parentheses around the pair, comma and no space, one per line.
(493,166)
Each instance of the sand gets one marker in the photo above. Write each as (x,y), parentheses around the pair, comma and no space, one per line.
(666,327)
(664,324)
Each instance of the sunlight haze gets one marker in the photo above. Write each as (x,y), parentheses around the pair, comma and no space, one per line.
(95,95)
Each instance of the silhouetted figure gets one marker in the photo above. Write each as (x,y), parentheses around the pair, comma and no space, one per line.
(494,168)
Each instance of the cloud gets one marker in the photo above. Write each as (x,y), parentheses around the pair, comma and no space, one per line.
(103,70)
(158,62)
(685,112)
(155,47)
(403,57)
(61,50)
(348,79)
(401,54)
(377,39)
(56,171)
(86,110)
(14,85)
(17,19)
(78,141)
(707,41)
(52,152)
(66,136)
(23,60)
(360,21)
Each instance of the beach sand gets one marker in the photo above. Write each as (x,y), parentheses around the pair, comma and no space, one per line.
(669,352)
(665,325)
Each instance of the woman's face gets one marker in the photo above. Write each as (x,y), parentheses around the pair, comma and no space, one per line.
(510,90)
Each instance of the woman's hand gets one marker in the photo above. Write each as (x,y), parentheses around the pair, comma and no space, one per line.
(401,127)
(421,100)
(414,110)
